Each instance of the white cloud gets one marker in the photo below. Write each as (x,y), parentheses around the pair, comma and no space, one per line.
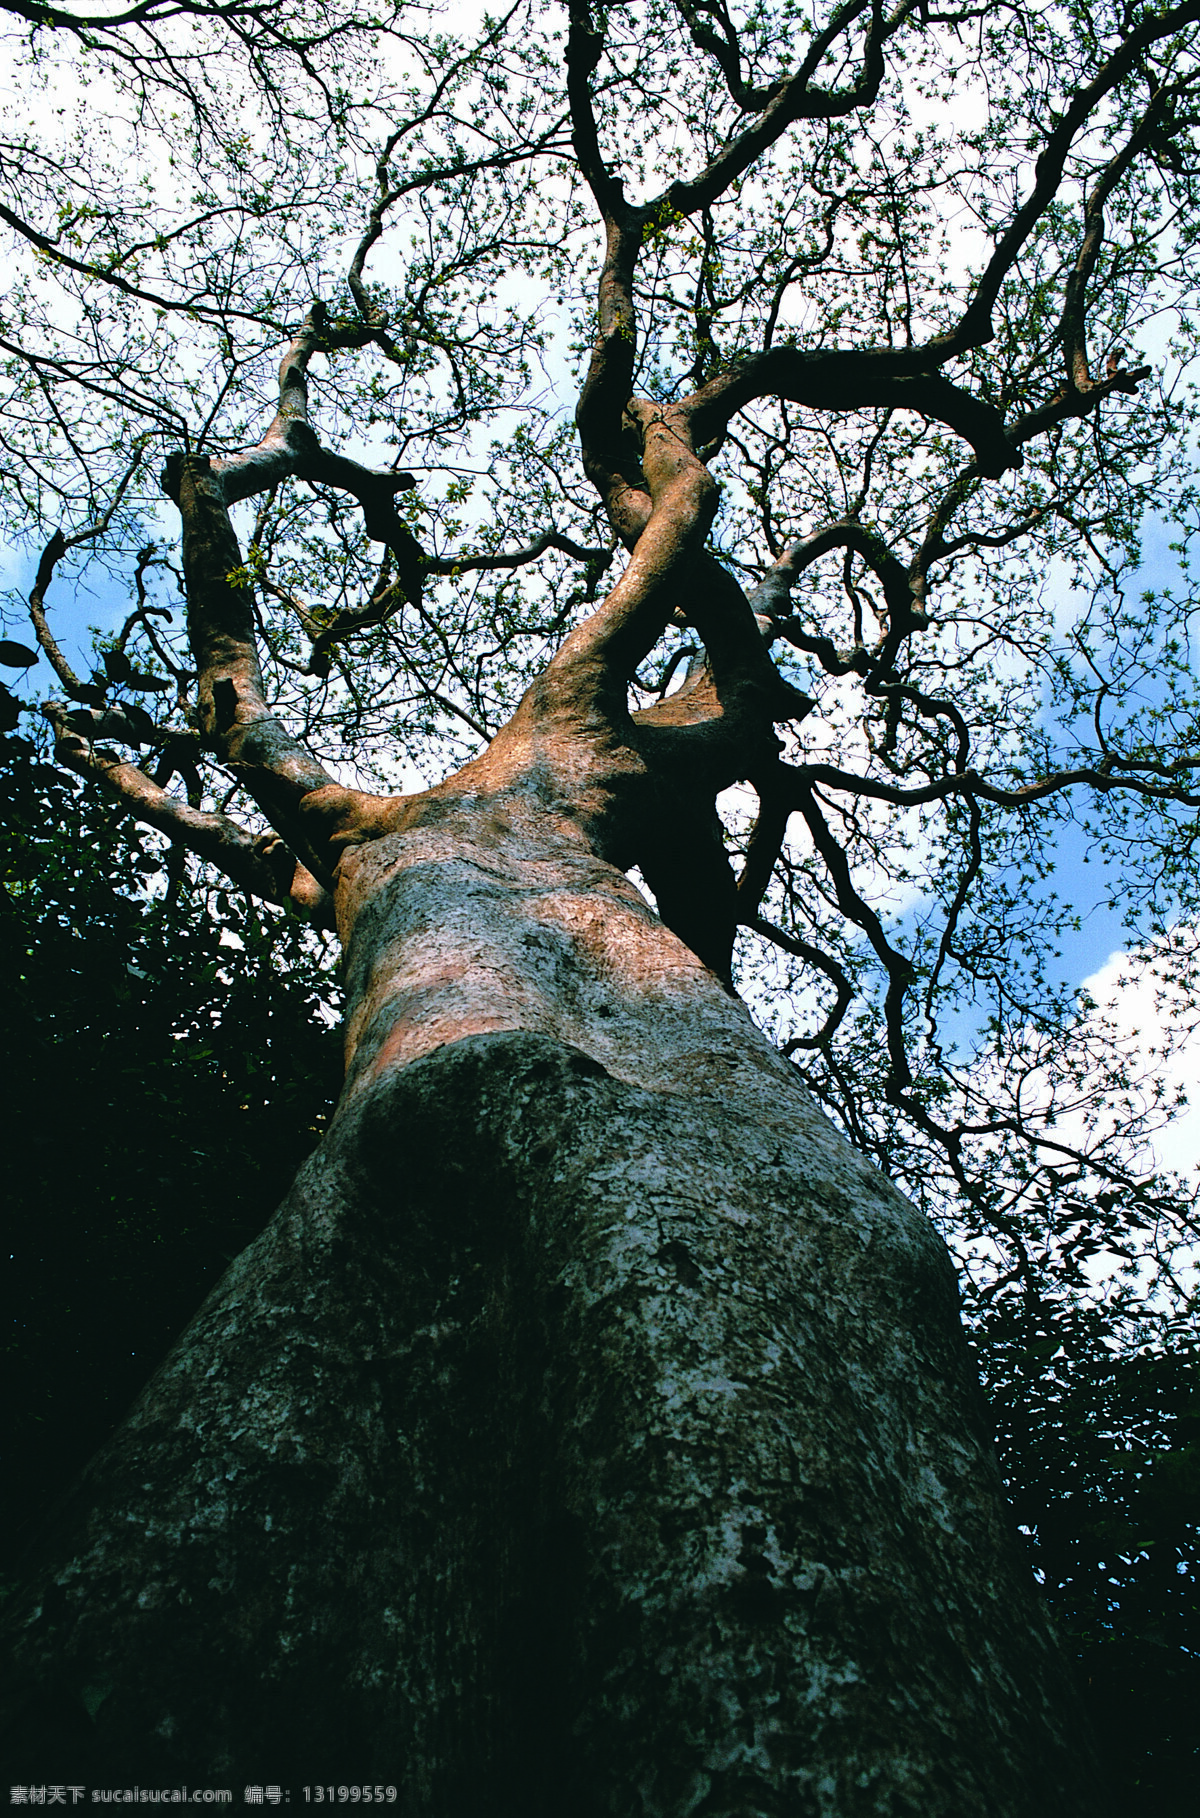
(1137,995)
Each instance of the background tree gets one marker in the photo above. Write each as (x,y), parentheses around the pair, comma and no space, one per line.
(793,303)
(174,1058)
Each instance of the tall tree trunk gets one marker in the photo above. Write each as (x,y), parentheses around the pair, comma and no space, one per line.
(590,1432)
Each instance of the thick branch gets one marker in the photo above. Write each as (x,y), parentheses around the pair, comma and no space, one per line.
(290,449)
(52,554)
(771,599)
(585,47)
(264,867)
(723,46)
(610,456)
(908,378)
(273,766)
(684,497)
(234,716)
(609,451)
(738,656)
(871,379)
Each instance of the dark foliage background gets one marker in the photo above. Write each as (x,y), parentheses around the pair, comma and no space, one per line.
(130,1034)
(1099,1441)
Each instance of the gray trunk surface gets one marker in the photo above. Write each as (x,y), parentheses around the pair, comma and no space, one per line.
(590,1433)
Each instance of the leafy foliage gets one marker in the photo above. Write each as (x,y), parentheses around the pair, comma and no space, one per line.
(162,1087)
(1099,1433)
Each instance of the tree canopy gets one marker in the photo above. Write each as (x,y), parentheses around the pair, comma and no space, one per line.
(916,286)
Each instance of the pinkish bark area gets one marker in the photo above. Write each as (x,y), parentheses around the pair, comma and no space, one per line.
(592,1430)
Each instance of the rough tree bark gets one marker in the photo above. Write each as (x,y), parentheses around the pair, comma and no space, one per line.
(591,1430)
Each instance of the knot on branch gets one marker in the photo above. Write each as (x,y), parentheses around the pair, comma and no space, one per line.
(300,436)
(171,477)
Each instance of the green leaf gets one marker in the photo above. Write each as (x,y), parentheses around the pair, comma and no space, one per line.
(16,656)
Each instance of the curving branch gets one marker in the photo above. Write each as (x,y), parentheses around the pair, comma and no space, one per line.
(816,957)
(153,12)
(233,714)
(51,556)
(771,600)
(791,99)
(608,442)
(909,377)
(502,559)
(738,692)
(290,449)
(585,47)
(1113,772)
(602,655)
(738,656)
(234,718)
(974,327)
(388,598)
(794,98)
(872,378)
(1073,322)
(50,249)
(259,864)
(856,909)
(773,592)
(1074,403)
(828,379)
(724,47)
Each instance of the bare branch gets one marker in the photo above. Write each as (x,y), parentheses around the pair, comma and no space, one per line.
(51,556)
(812,956)
(791,100)
(1073,403)
(774,590)
(900,378)
(1111,773)
(974,328)
(263,866)
(856,909)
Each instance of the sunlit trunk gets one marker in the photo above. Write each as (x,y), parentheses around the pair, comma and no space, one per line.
(590,1432)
